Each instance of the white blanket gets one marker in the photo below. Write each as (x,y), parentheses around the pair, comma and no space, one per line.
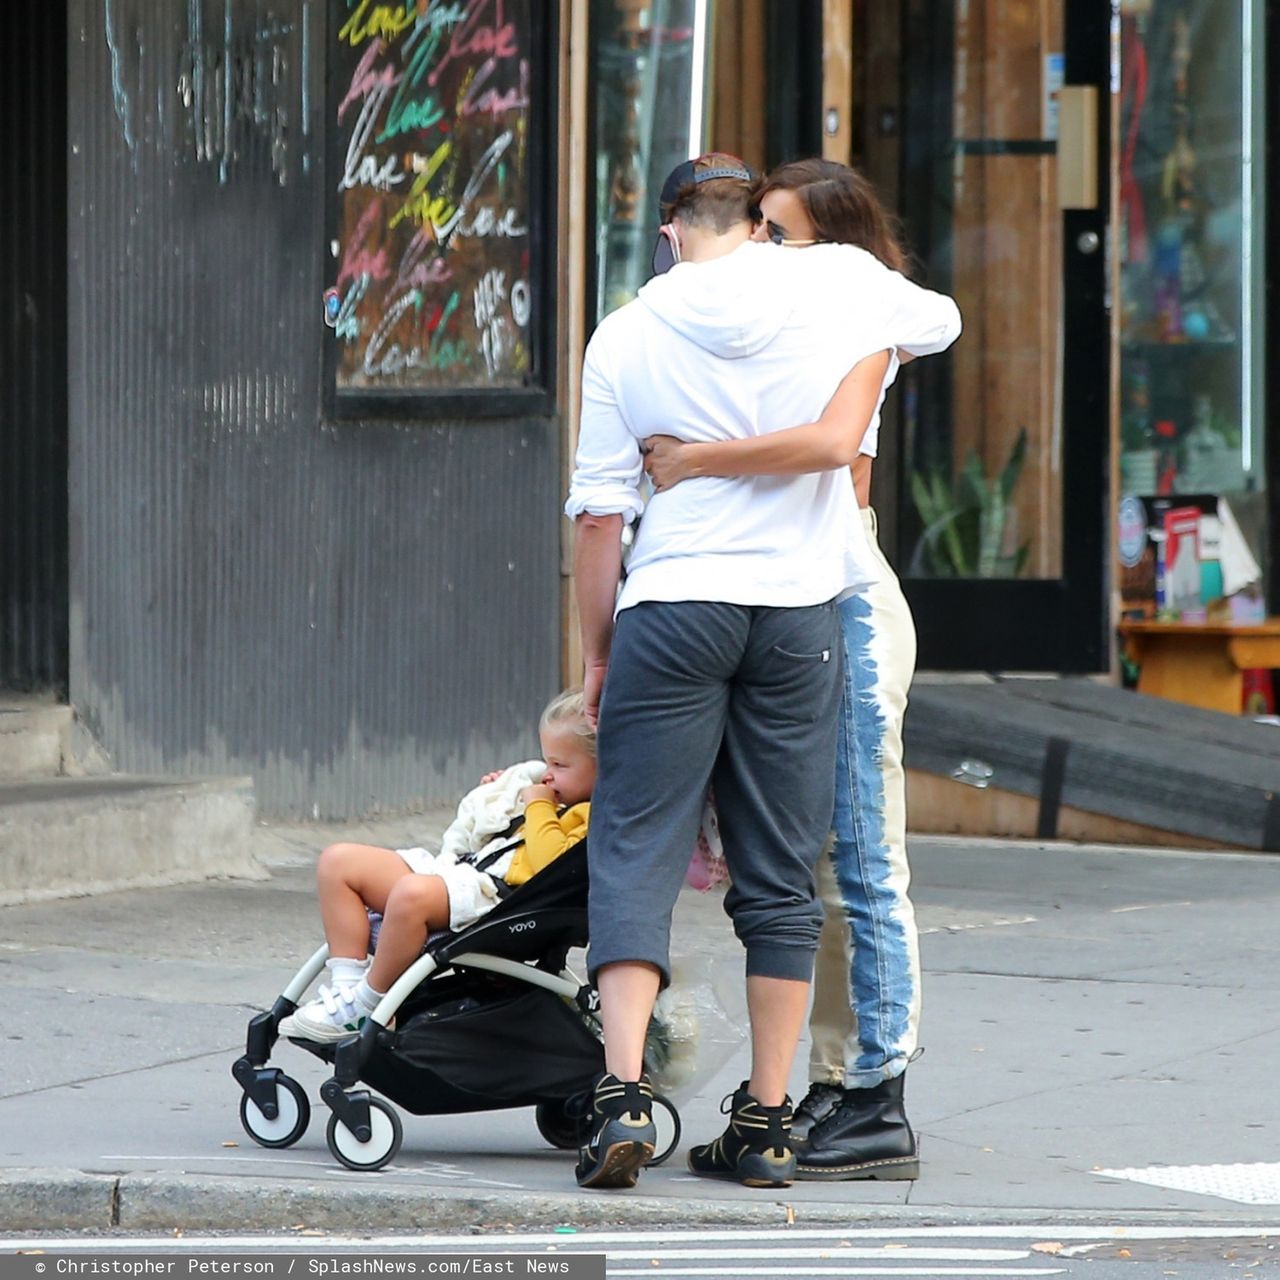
(489,808)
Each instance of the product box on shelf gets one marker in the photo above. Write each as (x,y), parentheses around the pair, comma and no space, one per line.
(1166,544)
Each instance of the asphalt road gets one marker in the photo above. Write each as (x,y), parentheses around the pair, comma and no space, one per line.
(1116,1253)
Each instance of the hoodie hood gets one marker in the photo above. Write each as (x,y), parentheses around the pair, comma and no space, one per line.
(732,306)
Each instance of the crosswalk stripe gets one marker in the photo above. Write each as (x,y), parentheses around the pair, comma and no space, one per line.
(586,1238)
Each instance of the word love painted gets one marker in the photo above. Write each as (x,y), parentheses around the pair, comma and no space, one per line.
(433,102)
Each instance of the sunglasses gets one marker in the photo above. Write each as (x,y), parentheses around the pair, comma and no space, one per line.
(778,236)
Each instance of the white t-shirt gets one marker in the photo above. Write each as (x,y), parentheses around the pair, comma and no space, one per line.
(743,345)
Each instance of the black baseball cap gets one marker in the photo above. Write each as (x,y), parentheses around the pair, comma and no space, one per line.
(686,172)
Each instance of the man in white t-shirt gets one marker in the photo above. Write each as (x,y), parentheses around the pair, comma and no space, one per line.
(724,663)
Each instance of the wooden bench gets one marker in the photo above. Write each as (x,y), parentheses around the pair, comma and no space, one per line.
(1201,664)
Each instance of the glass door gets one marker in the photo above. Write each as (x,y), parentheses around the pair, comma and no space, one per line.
(649,61)
(1002,539)
(671,79)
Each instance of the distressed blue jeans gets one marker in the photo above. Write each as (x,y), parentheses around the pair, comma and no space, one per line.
(866,1005)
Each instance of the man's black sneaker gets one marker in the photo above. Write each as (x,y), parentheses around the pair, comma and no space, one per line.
(624,1136)
(866,1136)
(756,1147)
(816,1105)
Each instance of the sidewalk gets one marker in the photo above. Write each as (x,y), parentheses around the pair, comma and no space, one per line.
(1087,1012)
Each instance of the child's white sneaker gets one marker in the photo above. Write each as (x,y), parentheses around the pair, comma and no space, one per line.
(336,1013)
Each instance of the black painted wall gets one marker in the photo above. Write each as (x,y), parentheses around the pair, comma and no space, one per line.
(33,359)
(363,616)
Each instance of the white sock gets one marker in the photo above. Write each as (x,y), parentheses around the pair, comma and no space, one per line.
(345,971)
(365,995)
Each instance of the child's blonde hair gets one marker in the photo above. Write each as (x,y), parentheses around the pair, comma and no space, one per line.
(568,709)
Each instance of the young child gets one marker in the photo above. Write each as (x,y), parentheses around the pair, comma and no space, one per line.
(418,892)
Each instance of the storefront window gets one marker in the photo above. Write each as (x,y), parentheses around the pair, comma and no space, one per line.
(650,59)
(1191,353)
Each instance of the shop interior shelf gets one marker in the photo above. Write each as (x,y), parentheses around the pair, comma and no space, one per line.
(1147,347)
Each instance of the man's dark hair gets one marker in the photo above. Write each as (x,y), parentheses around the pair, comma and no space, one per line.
(716,204)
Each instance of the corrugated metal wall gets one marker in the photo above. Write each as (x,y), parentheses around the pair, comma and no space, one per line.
(33,358)
(362,616)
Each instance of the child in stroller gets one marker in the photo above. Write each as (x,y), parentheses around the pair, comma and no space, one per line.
(487,1015)
(417,892)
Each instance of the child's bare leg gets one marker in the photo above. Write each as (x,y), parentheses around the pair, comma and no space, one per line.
(349,879)
(416,904)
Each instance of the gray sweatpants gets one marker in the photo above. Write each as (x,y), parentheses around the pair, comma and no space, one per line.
(747,699)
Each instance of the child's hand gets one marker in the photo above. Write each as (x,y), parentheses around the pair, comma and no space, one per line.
(536,792)
(492,777)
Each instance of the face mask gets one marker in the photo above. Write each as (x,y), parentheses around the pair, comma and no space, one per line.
(666,249)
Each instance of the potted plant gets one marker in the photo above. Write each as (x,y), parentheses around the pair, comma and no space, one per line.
(966,520)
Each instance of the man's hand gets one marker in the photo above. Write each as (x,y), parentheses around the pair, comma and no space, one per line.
(592,688)
(536,792)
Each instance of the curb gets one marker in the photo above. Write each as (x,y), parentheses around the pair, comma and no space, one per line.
(55,1200)
(67,1200)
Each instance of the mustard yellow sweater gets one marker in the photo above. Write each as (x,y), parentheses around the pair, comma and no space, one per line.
(547,834)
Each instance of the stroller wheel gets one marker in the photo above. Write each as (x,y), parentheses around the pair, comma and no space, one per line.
(291,1121)
(381,1147)
(561,1123)
(667,1120)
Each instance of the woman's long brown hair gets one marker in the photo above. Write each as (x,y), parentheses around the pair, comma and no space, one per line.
(842,205)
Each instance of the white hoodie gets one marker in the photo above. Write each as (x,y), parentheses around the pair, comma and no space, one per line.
(750,343)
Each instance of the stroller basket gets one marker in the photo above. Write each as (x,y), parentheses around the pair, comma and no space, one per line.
(515,1048)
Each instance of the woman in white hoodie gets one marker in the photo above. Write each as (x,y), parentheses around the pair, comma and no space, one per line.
(866,1005)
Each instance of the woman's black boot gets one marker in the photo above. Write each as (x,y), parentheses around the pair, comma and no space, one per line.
(866,1136)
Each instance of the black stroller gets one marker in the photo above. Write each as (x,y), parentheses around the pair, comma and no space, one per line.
(486,1019)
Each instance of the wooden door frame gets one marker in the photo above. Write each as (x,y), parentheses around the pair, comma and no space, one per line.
(837,80)
(573,244)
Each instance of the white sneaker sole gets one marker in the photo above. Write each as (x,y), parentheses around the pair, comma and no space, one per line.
(295,1028)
